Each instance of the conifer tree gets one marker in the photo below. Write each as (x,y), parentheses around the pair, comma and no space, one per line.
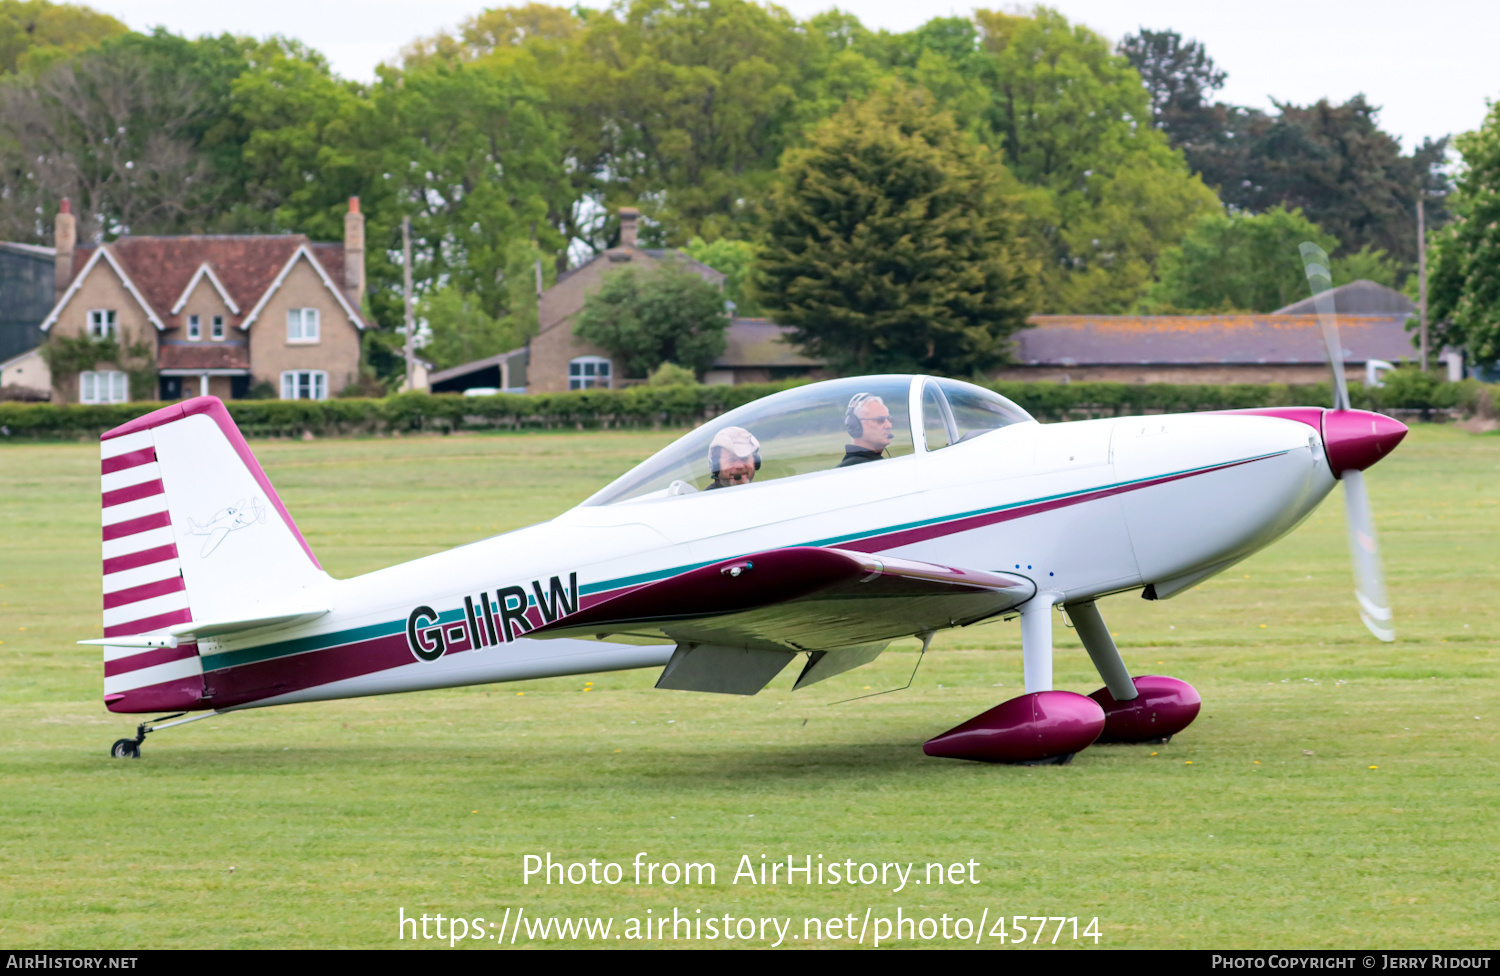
(895,242)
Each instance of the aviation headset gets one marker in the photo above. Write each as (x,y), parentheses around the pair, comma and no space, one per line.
(852,423)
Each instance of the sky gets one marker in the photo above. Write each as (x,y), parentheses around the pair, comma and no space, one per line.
(1431,66)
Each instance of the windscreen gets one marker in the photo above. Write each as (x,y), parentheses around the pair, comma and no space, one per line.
(811,428)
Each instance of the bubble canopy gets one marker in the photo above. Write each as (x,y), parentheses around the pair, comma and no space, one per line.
(816,428)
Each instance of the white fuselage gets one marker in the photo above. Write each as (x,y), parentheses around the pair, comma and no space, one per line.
(1083,509)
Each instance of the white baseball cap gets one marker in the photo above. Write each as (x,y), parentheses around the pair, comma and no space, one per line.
(736,440)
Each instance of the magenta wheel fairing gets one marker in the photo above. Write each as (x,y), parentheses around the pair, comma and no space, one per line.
(1164,707)
(1040,725)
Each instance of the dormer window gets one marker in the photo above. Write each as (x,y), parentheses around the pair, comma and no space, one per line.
(302,325)
(195,328)
(101,324)
(218,328)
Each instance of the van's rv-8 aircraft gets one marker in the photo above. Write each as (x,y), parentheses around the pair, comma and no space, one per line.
(964,509)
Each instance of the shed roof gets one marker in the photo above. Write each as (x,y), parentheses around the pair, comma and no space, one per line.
(760,342)
(1078,340)
(1357,298)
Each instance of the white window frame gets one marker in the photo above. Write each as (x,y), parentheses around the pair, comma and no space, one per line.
(194,328)
(304,384)
(303,326)
(103,386)
(216,330)
(103,324)
(584,373)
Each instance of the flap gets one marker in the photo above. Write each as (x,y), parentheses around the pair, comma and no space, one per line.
(798,599)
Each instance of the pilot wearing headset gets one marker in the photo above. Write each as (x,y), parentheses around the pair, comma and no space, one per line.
(733,458)
(869,425)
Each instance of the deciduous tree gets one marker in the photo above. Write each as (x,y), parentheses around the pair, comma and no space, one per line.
(1464,294)
(669,314)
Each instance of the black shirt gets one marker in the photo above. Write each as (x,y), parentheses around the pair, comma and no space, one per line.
(858,455)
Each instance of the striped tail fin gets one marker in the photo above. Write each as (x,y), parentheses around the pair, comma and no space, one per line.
(193,531)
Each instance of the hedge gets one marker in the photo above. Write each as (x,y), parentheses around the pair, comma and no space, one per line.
(645,406)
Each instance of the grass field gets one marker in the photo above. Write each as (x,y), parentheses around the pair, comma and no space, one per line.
(1335,792)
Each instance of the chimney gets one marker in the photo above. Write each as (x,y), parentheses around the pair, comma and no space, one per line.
(354,254)
(64,237)
(628,218)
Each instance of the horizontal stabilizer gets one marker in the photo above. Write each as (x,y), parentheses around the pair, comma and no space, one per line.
(208,629)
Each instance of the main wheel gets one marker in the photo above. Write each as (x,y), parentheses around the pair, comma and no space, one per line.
(125,749)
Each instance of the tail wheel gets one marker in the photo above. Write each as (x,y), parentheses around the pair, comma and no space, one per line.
(125,749)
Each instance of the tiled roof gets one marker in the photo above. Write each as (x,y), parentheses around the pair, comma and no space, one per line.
(204,355)
(760,342)
(1078,340)
(161,267)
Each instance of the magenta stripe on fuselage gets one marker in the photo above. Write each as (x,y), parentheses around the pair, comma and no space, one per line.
(135,560)
(135,526)
(130,459)
(135,594)
(151,658)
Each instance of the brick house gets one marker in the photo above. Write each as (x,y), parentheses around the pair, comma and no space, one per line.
(560,361)
(213,314)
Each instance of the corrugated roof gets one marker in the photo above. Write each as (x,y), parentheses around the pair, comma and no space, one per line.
(1078,340)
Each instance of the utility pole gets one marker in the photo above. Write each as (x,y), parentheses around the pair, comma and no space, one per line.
(1422,278)
(411,318)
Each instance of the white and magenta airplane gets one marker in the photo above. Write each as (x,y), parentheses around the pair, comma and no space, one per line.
(848,514)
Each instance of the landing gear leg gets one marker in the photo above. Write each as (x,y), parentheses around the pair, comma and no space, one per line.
(1151,708)
(131,748)
(1101,647)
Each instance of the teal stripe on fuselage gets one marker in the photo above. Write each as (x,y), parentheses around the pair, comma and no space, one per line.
(265,652)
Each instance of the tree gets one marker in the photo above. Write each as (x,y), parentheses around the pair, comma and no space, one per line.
(894,242)
(1178,76)
(1112,194)
(1238,262)
(1464,289)
(137,132)
(462,331)
(35,30)
(735,259)
(667,315)
(1331,161)
(1250,262)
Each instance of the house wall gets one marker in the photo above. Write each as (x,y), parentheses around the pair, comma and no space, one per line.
(29,371)
(205,302)
(103,288)
(337,348)
(1216,373)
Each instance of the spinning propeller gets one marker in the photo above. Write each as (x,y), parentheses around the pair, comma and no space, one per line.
(1350,438)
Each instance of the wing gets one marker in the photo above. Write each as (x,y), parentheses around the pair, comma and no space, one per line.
(750,614)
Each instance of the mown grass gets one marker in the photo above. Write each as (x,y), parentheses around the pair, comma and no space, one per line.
(1336,792)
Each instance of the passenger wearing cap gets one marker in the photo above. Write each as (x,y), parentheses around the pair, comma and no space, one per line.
(733,458)
(870,430)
